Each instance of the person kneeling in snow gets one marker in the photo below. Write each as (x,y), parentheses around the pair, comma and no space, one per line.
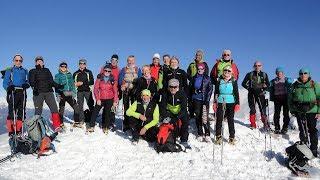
(144,117)
(226,103)
(174,105)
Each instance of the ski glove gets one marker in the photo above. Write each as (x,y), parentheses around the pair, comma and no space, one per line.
(237,108)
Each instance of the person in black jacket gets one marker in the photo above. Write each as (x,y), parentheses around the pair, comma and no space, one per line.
(257,82)
(146,82)
(176,73)
(174,106)
(41,81)
(84,80)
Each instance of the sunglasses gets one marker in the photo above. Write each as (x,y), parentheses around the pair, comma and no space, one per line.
(107,71)
(173,87)
(63,66)
(259,65)
(82,63)
(303,73)
(227,70)
(200,69)
(18,60)
(226,54)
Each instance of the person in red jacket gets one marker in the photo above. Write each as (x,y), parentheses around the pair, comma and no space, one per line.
(106,95)
(155,66)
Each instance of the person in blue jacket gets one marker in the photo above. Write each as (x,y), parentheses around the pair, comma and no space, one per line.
(15,82)
(280,88)
(226,103)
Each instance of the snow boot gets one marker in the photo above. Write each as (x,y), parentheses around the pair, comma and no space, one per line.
(56,122)
(265,122)
(105,131)
(232,141)
(218,140)
(253,121)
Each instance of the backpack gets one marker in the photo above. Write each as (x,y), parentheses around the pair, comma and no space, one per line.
(36,128)
(298,156)
(166,139)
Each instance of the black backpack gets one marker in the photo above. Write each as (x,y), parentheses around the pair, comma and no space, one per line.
(298,156)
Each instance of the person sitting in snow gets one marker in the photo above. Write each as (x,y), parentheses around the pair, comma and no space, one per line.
(144,117)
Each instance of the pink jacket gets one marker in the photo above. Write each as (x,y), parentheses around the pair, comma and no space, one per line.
(105,90)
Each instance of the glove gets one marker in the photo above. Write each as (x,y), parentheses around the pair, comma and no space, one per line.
(166,120)
(214,107)
(237,108)
(10,88)
(25,86)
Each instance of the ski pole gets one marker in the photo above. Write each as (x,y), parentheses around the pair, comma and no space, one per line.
(222,128)
(268,121)
(14,120)
(23,109)
(254,102)
(214,135)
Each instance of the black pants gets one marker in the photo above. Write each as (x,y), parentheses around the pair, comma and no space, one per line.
(183,132)
(279,102)
(229,114)
(312,129)
(81,96)
(73,103)
(260,99)
(19,102)
(136,125)
(106,105)
(198,110)
(50,100)
(128,99)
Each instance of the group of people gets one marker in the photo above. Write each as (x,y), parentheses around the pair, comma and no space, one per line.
(162,92)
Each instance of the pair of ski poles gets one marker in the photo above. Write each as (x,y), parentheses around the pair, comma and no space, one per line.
(222,132)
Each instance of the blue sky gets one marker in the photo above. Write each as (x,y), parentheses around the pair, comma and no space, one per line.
(278,32)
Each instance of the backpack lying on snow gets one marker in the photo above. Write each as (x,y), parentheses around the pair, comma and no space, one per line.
(299,154)
(166,138)
(37,140)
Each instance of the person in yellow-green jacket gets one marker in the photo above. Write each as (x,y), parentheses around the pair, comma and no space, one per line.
(304,103)
(144,118)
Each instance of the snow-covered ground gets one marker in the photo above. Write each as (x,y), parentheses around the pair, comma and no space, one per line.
(112,156)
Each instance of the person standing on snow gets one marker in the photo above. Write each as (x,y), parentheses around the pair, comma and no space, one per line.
(15,82)
(67,93)
(280,88)
(304,103)
(176,73)
(225,60)
(226,94)
(155,66)
(106,94)
(42,83)
(192,71)
(201,90)
(144,117)
(84,80)
(146,81)
(127,77)
(163,70)
(257,82)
